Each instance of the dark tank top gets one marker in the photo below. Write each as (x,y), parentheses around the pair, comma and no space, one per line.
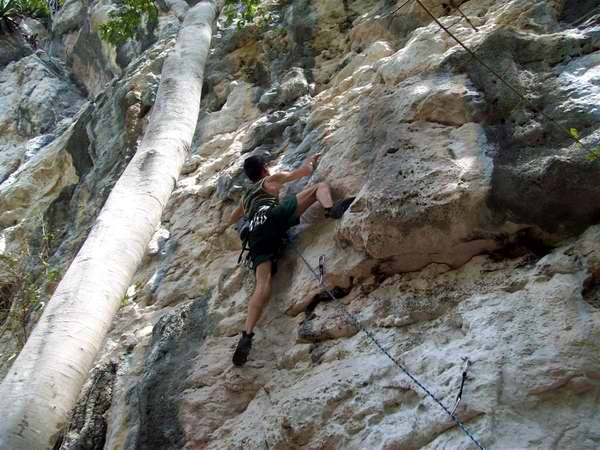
(256,198)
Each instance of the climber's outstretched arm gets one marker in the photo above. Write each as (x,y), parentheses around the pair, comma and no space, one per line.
(304,170)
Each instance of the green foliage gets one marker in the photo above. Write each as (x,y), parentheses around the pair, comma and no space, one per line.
(9,8)
(246,12)
(35,8)
(21,292)
(13,10)
(19,298)
(9,13)
(125,22)
(574,133)
(593,154)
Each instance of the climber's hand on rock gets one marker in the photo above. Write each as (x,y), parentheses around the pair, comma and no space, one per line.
(312,161)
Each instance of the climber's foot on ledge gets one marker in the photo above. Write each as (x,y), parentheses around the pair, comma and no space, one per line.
(338,210)
(240,356)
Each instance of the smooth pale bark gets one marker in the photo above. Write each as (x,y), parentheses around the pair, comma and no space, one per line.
(43,384)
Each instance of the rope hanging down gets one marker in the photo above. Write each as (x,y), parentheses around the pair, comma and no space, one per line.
(352,320)
(400,7)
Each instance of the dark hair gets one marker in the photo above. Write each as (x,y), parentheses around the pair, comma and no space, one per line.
(253,167)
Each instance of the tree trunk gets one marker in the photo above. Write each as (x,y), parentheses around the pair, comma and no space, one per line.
(43,384)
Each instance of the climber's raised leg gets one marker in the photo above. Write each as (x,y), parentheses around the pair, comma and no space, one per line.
(320,192)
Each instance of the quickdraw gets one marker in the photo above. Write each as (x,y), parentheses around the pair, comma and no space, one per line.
(321,269)
(466,365)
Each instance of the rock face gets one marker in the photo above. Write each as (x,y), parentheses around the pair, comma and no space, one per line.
(473,233)
(60,155)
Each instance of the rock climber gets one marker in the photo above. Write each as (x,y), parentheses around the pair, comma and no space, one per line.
(269,220)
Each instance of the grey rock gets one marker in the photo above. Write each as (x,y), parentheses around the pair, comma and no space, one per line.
(536,159)
(11,157)
(35,95)
(158,241)
(579,12)
(90,64)
(269,129)
(70,17)
(12,48)
(292,86)
(191,164)
(445,251)
(294,132)
(34,30)
(175,341)
(411,127)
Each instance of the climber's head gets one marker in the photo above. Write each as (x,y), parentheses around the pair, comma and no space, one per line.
(255,168)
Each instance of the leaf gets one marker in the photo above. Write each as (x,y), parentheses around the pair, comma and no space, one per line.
(574,133)
(594,154)
(125,22)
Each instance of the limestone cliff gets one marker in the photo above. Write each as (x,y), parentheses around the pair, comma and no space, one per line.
(473,234)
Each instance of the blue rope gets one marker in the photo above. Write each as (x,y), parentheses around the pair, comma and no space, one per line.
(352,319)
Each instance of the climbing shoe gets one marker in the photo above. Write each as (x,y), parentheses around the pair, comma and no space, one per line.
(240,356)
(338,210)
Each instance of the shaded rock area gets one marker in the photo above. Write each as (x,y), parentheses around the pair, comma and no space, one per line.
(473,234)
(60,152)
(87,429)
(12,48)
(176,340)
(528,169)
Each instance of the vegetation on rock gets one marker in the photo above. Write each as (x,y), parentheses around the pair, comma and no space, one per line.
(23,296)
(12,11)
(125,22)
(65,341)
(245,12)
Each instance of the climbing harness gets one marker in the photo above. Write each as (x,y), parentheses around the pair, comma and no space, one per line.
(354,321)
(243,229)
(466,365)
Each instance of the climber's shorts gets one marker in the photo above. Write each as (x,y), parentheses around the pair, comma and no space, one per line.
(267,241)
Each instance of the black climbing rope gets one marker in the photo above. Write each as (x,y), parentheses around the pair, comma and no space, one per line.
(400,7)
(354,321)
